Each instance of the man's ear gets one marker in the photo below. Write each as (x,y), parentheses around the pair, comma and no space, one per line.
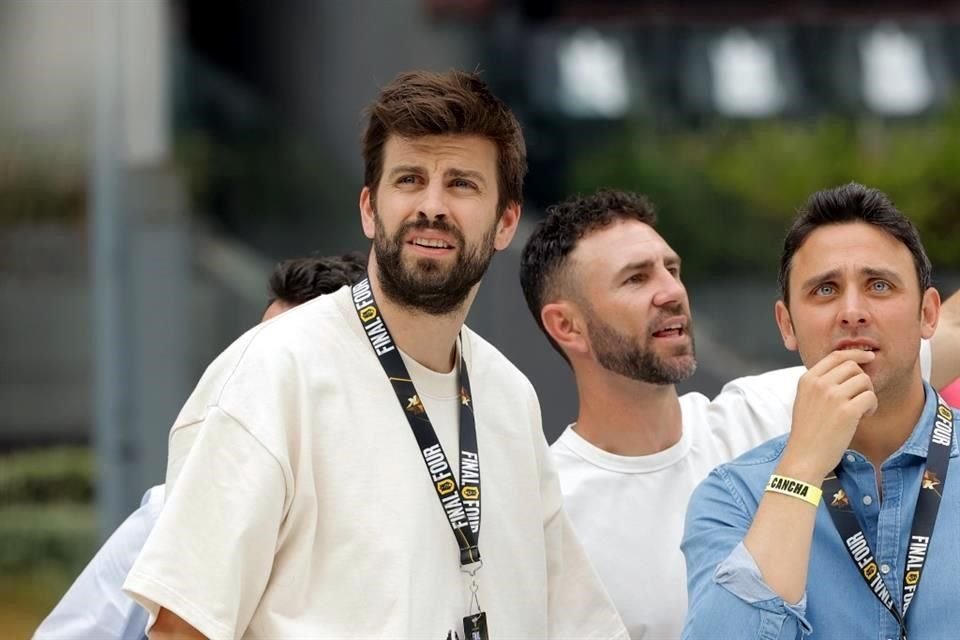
(564,323)
(507,226)
(367,214)
(929,312)
(786,325)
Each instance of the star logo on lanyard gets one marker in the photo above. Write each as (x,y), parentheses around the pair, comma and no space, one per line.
(464,398)
(930,481)
(840,499)
(414,405)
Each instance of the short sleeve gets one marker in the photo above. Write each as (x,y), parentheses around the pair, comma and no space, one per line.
(210,555)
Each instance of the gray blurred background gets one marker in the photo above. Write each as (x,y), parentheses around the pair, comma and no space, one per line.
(157,157)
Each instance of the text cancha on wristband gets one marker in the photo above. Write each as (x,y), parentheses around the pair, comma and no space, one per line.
(795,488)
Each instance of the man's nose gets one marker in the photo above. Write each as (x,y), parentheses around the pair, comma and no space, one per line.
(433,206)
(854,310)
(670,289)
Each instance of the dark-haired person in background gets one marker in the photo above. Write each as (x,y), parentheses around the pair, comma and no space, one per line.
(332,486)
(298,280)
(605,288)
(95,607)
(766,556)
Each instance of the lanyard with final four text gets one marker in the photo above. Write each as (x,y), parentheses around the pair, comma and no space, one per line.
(460,501)
(921,531)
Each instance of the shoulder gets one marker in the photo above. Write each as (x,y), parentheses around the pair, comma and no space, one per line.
(750,468)
(563,442)
(487,361)
(765,455)
(777,386)
(297,344)
(506,401)
(745,477)
(565,450)
(272,368)
(692,403)
(274,348)
(749,410)
(731,493)
(323,322)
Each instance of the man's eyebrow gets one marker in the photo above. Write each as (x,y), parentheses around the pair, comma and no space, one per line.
(643,265)
(833,274)
(406,168)
(880,272)
(467,173)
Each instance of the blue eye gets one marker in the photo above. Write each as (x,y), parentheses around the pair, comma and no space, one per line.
(825,290)
(880,285)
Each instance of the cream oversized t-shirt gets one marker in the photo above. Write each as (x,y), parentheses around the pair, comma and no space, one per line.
(302,507)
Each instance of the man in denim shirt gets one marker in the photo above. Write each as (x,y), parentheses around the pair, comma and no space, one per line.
(764,558)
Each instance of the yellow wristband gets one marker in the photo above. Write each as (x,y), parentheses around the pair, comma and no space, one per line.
(796,488)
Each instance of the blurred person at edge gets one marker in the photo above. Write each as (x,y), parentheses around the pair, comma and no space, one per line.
(332,489)
(766,556)
(95,607)
(606,290)
(951,393)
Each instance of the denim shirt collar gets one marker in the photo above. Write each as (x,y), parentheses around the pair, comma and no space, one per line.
(919,441)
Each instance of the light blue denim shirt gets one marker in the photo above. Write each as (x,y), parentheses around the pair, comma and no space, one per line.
(729,599)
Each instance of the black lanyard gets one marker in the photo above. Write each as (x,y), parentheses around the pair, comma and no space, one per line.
(921,531)
(461,503)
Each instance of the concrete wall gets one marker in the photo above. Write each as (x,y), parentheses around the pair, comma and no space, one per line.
(45,333)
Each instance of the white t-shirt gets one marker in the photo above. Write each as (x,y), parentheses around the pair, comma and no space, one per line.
(303,508)
(628,511)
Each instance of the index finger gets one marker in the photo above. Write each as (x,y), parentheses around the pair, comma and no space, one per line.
(835,358)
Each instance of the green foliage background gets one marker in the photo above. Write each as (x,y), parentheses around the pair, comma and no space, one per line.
(47,531)
(727,191)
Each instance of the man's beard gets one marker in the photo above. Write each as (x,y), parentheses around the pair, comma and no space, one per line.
(427,285)
(616,352)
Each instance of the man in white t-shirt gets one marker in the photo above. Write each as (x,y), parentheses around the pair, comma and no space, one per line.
(605,288)
(95,607)
(332,485)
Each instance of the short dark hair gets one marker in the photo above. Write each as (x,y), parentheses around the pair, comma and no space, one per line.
(298,280)
(422,103)
(545,255)
(852,202)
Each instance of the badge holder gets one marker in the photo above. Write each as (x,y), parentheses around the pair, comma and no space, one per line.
(475,624)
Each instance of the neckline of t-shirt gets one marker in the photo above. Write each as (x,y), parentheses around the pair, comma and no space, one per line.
(429,383)
(625,464)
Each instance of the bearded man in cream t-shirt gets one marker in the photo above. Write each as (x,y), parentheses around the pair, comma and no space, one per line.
(372,468)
